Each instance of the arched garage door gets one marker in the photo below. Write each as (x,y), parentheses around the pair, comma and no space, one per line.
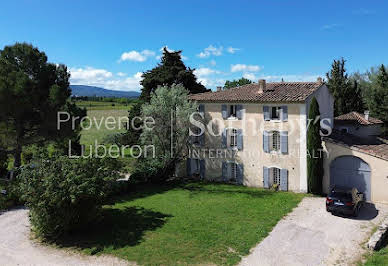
(351,171)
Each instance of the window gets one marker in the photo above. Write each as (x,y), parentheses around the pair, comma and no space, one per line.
(196,138)
(233,171)
(275,141)
(233,137)
(275,112)
(196,166)
(344,130)
(275,175)
(232,111)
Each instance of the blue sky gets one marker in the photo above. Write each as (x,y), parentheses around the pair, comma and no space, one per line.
(109,43)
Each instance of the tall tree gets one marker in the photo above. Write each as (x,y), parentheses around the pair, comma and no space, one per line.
(314,149)
(32,91)
(171,70)
(378,98)
(347,96)
(171,110)
(236,83)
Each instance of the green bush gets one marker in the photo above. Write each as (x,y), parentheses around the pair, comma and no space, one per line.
(65,195)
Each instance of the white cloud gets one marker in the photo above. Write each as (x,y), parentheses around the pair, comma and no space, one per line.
(232,50)
(121,74)
(136,56)
(211,50)
(105,79)
(205,71)
(170,51)
(250,76)
(244,68)
(212,62)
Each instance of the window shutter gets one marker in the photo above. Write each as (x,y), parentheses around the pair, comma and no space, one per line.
(239,111)
(265,177)
(224,171)
(201,108)
(224,110)
(266,141)
(239,139)
(202,139)
(188,167)
(266,113)
(240,174)
(284,142)
(224,138)
(284,179)
(284,113)
(202,169)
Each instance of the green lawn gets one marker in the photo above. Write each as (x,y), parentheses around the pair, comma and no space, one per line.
(186,224)
(379,258)
(99,105)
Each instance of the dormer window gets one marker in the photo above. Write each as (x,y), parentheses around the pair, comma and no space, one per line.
(275,112)
(232,111)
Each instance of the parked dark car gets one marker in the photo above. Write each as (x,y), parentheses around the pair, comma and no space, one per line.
(343,200)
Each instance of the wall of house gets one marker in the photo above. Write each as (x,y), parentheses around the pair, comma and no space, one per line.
(379,175)
(252,156)
(325,101)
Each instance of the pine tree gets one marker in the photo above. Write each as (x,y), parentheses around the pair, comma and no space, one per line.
(236,83)
(314,149)
(347,96)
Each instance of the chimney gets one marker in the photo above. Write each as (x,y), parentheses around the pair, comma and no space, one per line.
(261,85)
(319,80)
(219,88)
(366,115)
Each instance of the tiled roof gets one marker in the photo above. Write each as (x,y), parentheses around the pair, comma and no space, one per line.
(355,117)
(377,148)
(275,92)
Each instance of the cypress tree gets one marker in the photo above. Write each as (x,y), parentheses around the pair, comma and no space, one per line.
(314,149)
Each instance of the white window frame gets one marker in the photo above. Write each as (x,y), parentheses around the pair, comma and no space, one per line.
(278,112)
(274,143)
(232,137)
(275,175)
(232,111)
(232,171)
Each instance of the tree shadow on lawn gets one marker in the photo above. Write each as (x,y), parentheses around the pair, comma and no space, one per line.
(116,229)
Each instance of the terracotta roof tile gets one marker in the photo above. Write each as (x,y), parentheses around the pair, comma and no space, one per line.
(355,117)
(275,92)
(377,148)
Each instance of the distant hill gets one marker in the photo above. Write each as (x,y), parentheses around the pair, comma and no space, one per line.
(83,90)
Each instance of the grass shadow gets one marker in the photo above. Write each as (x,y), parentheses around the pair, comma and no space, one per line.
(117,228)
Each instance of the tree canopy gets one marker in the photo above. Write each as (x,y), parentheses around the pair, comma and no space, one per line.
(32,91)
(347,94)
(171,70)
(236,83)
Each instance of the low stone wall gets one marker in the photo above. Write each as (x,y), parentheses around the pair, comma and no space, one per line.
(379,237)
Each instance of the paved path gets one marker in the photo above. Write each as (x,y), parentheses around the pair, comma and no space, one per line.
(17,249)
(311,236)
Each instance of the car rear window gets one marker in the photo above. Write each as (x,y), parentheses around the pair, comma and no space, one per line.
(341,195)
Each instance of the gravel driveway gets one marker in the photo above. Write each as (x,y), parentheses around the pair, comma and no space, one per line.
(311,236)
(17,249)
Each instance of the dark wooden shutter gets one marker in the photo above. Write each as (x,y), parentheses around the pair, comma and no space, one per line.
(283,179)
(239,111)
(266,141)
(265,177)
(266,113)
(240,139)
(284,142)
(188,167)
(224,171)
(224,138)
(224,110)
(284,113)
(202,169)
(240,174)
